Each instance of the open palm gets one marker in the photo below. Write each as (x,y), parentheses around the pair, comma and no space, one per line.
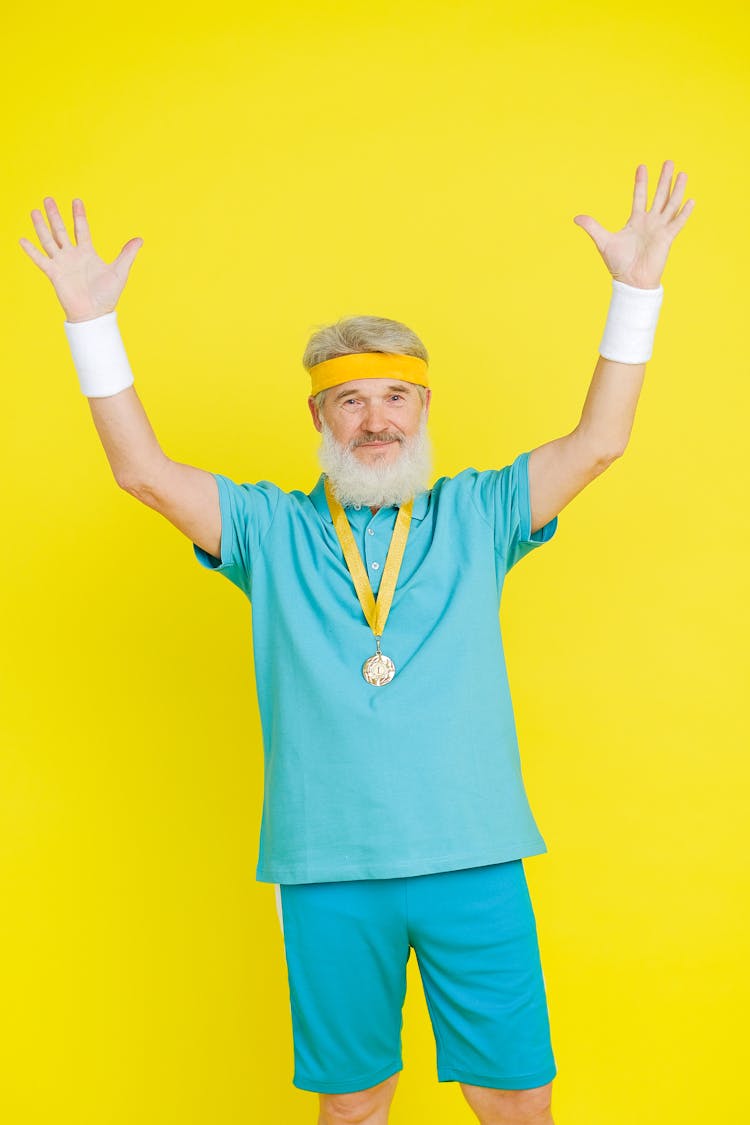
(637,254)
(86,286)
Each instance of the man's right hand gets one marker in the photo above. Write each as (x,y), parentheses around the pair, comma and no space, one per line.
(86,286)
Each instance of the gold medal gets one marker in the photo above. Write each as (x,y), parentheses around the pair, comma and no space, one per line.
(378,669)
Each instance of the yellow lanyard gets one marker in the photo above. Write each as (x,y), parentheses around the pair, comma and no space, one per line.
(376,613)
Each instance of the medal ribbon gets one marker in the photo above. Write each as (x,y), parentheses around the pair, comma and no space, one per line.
(376,613)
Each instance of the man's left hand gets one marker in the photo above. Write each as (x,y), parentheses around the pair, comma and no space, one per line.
(637,254)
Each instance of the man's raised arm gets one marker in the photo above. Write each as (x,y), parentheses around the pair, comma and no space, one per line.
(88,290)
(635,257)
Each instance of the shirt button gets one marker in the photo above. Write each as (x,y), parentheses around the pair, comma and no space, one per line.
(370,531)
(376,566)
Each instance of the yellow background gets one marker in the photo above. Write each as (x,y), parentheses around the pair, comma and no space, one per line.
(421,161)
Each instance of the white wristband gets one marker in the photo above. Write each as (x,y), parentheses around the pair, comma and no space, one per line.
(631,323)
(99,356)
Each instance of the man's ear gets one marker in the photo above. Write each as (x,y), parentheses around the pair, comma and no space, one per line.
(427,399)
(315,414)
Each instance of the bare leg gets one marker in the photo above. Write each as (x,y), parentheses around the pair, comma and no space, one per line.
(510,1107)
(365,1107)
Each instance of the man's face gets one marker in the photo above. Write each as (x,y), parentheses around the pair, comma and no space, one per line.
(372,417)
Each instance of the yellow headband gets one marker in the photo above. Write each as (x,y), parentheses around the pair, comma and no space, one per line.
(367,365)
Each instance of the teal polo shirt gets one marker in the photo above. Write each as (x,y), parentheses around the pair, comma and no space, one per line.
(420,775)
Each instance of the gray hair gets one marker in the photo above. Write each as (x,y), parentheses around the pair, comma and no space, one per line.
(353,334)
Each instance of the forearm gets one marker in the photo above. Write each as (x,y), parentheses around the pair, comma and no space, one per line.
(625,348)
(609,410)
(131,446)
(107,381)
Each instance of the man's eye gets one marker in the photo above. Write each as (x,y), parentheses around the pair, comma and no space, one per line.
(397,396)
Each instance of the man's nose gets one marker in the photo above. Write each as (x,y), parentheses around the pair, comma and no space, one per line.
(375,418)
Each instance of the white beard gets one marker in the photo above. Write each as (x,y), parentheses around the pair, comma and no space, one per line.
(380,485)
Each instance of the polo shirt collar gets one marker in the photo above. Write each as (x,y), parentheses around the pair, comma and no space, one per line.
(318,497)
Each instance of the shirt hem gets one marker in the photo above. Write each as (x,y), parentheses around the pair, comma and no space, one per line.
(342,872)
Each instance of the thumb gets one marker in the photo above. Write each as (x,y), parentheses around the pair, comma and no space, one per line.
(126,257)
(592,228)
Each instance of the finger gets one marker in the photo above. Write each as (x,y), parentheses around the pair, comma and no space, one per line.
(678,222)
(81,224)
(36,255)
(43,233)
(126,257)
(594,229)
(56,223)
(662,188)
(673,204)
(640,191)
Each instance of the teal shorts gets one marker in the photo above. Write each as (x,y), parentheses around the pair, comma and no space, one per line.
(474,934)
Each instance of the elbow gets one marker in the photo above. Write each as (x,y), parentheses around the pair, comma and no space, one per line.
(136,489)
(598,450)
(599,460)
(144,486)
(604,455)
(606,459)
(127,485)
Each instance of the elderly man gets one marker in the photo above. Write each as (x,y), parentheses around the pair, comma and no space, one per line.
(394,813)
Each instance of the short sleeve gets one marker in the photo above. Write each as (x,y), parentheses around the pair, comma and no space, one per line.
(247,511)
(504,498)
